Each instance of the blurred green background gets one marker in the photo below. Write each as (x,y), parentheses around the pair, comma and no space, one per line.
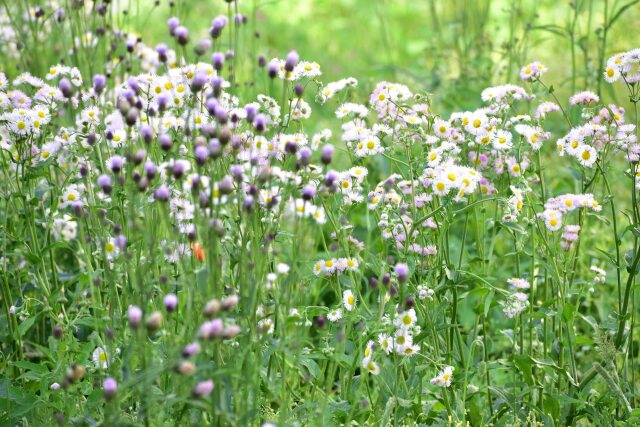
(450,48)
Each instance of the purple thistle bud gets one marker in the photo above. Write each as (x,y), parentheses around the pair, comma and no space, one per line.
(57,332)
(173,23)
(211,329)
(247,203)
(260,123)
(304,155)
(178,169)
(162,100)
(121,242)
(211,104)
(132,116)
(132,82)
(330,178)
(231,331)
(386,279)
(116,164)
(130,45)
(251,111)
(162,50)
(215,148)
(202,47)
(217,59)
(308,192)
(291,147)
(236,142)
(110,387)
(292,61)
(299,90)
(221,115)
(91,138)
(402,270)
(65,87)
(165,142)
(150,169)
(226,185)
(191,349)
(217,25)
(373,282)
(139,157)
(230,54)
(104,181)
(327,154)
(236,172)
(201,153)
(181,34)
(202,389)
(60,14)
(198,82)
(162,193)
(135,316)
(170,302)
(230,302)
(147,133)
(273,68)
(262,61)
(99,83)
(320,321)
(237,19)
(409,303)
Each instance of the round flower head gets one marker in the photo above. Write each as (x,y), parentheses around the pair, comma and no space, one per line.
(402,270)
(349,300)
(170,302)
(135,316)
(202,389)
(532,71)
(110,387)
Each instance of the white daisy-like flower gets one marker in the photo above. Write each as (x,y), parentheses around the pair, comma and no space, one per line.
(349,300)
(444,378)
(100,358)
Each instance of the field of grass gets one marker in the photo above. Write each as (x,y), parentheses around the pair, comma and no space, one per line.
(319,212)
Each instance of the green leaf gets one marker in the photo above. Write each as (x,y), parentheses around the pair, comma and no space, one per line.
(524,364)
(26,325)
(311,365)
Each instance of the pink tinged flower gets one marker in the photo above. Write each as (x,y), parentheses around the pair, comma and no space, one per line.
(170,302)
(211,329)
(202,389)
(110,387)
(135,316)
(402,270)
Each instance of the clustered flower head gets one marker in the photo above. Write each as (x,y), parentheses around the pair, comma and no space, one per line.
(623,65)
(533,71)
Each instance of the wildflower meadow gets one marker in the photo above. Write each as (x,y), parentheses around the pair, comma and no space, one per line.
(201,223)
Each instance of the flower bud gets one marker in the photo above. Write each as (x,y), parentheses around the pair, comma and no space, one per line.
(154,321)
(170,302)
(202,389)
(110,387)
(212,307)
(135,316)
